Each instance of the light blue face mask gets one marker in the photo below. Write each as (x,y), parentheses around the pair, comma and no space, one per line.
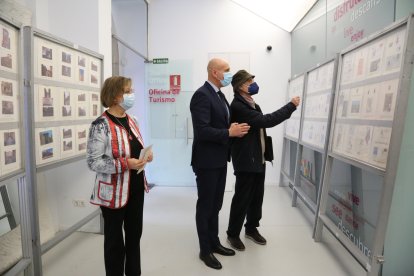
(128,101)
(227,77)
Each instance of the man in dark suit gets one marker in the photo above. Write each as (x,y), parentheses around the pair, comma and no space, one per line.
(210,113)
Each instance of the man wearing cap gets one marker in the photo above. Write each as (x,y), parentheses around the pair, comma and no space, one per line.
(248,156)
(210,113)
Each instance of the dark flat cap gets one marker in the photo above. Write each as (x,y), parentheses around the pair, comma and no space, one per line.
(240,78)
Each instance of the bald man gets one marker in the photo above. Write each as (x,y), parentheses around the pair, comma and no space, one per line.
(210,113)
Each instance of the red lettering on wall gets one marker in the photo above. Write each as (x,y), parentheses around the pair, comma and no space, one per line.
(344,8)
(348,31)
(353,198)
(351,221)
(357,36)
(337,211)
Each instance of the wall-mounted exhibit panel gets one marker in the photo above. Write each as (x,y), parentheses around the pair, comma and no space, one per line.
(292,125)
(367,98)
(10,98)
(66,97)
(291,133)
(314,133)
(14,223)
(364,147)
(317,105)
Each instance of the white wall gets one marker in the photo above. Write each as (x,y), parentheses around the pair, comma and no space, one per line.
(184,29)
(130,21)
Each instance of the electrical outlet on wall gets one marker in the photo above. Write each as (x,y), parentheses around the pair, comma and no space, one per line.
(78,203)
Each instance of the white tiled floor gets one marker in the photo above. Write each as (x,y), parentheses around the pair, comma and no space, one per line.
(170,247)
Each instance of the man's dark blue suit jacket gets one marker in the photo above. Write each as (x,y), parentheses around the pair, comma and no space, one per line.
(211,145)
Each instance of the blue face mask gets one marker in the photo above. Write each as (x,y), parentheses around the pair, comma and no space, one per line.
(253,88)
(227,77)
(128,101)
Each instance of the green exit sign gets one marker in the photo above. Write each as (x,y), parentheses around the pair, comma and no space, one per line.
(160,61)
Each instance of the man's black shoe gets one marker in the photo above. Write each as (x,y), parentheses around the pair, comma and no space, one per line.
(236,243)
(256,237)
(211,261)
(224,251)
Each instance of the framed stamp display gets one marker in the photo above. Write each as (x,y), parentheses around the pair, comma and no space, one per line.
(66,97)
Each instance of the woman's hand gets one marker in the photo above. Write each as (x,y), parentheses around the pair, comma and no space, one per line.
(136,164)
(150,157)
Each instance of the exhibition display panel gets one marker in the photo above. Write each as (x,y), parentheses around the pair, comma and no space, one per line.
(50,88)
(368,121)
(10,97)
(314,134)
(14,223)
(66,97)
(63,90)
(291,133)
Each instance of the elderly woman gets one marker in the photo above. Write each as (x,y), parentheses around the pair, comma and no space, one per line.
(114,146)
(249,154)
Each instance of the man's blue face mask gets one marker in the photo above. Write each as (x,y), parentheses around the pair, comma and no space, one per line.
(253,88)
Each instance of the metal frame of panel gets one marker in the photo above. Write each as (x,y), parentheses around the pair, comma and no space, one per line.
(29,124)
(25,264)
(373,264)
(297,190)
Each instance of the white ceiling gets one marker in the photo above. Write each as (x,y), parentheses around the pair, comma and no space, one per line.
(285,14)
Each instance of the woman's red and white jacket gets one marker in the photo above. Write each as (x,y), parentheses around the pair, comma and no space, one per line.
(107,152)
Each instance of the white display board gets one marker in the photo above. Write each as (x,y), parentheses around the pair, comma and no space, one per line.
(66,99)
(292,125)
(10,142)
(368,93)
(317,105)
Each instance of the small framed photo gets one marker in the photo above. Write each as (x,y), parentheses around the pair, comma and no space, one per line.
(9,138)
(48,98)
(7,88)
(67,140)
(45,58)
(47,145)
(10,151)
(8,61)
(95,72)
(66,64)
(8,48)
(82,69)
(67,103)
(9,109)
(82,105)
(5,37)
(94,105)
(81,138)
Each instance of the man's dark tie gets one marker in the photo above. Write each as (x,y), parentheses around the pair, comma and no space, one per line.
(223,101)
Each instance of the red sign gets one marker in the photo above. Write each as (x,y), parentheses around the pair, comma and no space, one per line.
(175,84)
